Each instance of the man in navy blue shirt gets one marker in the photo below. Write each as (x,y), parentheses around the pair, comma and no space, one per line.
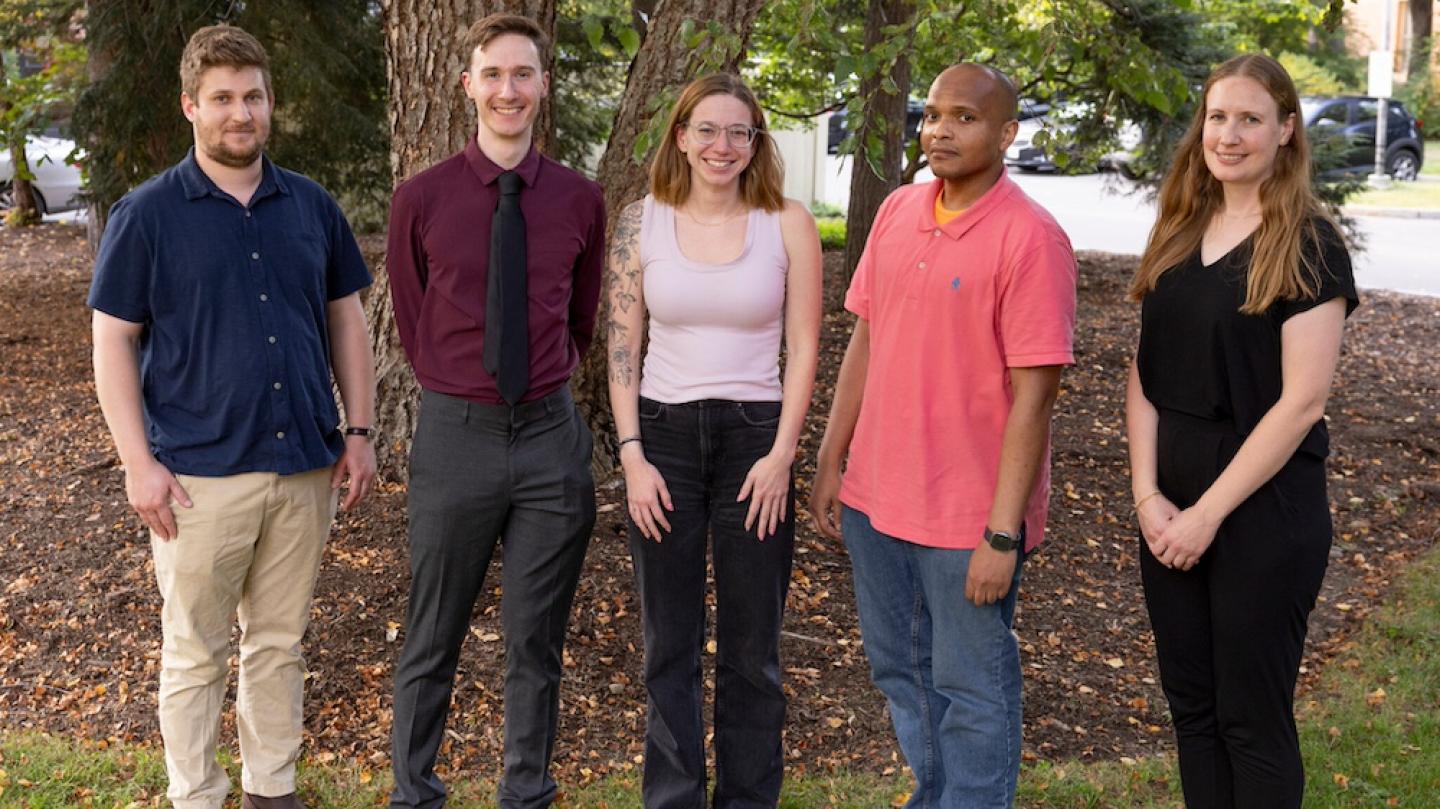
(224,290)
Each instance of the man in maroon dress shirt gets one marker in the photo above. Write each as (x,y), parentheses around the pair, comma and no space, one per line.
(500,452)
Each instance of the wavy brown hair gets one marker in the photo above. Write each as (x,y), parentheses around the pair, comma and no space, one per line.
(1190,196)
(762,183)
(220,46)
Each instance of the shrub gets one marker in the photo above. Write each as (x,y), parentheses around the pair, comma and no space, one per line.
(832,233)
(1311,78)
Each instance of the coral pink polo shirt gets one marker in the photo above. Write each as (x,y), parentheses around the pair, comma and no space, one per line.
(951,308)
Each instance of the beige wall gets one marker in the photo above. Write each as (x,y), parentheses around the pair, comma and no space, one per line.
(1365,27)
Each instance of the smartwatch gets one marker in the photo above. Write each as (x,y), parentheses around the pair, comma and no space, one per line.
(1003,541)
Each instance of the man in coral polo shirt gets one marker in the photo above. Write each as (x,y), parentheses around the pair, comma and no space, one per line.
(966,304)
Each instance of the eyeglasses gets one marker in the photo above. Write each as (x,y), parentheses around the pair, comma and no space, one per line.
(739,136)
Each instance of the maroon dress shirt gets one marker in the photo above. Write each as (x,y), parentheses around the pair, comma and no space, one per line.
(438,258)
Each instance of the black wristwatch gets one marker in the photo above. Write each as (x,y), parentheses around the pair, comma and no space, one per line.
(1002,540)
(368,432)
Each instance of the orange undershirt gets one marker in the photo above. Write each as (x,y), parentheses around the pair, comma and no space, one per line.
(943,215)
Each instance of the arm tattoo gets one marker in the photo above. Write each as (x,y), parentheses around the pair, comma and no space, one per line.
(622,278)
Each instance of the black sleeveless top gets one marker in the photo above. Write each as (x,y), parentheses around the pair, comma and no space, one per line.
(1200,356)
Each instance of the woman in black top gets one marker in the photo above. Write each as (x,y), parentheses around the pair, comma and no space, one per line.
(1245,285)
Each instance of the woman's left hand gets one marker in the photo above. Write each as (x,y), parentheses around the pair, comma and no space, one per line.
(1183,540)
(768,487)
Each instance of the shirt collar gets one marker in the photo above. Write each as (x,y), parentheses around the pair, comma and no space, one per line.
(957,227)
(488,172)
(198,184)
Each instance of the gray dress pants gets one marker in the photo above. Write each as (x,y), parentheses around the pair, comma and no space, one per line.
(482,474)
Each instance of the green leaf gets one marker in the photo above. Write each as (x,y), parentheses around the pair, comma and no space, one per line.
(594,31)
(629,40)
(642,147)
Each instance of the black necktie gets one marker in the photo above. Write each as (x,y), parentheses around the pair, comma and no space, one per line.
(507,298)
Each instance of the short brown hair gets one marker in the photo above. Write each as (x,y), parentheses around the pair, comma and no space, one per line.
(220,46)
(487,28)
(762,183)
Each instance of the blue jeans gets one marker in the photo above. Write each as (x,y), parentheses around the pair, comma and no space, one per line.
(704,451)
(949,670)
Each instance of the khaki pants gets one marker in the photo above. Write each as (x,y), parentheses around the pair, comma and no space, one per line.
(252,543)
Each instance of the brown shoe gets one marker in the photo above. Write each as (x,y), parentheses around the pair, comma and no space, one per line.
(283,802)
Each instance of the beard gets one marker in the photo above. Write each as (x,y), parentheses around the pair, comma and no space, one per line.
(218,151)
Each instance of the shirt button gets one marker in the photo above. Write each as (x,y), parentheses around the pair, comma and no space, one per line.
(922,265)
(247,214)
(264,297)
(277,386)
(938,231)
(280,435)
(255,256)
(272,338)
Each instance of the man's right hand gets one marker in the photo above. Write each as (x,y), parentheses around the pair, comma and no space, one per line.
(825,499)
(150,487)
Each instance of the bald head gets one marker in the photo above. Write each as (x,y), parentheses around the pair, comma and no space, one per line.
(983,83)
(969,123)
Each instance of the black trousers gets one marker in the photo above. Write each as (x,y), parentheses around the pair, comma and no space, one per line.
(1230,632)
(704,451)
(479,475)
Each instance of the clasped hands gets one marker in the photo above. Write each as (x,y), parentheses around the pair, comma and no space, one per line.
(1177,538)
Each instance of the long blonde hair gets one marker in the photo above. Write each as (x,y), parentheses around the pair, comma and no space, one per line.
(1190,196)
(762,183)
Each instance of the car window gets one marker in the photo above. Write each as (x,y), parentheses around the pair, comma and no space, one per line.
(1334,113)
(1365,110)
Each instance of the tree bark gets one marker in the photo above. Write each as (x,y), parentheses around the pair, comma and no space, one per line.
(430,120)
(885,113)
(664,63)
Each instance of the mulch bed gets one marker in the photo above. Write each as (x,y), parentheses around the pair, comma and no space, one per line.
(80,637)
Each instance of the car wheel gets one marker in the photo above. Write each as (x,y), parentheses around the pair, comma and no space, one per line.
(7,196)
(1404,166)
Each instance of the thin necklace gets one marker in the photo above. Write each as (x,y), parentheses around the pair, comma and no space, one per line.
(697,220)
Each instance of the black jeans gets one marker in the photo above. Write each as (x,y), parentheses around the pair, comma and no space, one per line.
(704,450)
(1230,631)
(482,474)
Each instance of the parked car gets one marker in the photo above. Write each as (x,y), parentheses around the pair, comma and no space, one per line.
(839,131)
(57,182)
(1025,154)
(1349,121)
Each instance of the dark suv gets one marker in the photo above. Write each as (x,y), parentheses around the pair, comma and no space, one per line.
(1351,121)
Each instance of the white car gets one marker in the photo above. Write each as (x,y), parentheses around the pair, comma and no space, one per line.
(57,183)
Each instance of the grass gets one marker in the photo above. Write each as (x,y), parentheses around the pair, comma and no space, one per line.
(1432,159)
(1420,194)
(1370,734)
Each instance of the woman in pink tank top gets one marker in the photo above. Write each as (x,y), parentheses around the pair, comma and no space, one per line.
(717,267)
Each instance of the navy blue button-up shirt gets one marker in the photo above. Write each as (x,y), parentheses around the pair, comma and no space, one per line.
(235,353)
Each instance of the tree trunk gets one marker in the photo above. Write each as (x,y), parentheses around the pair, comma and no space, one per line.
(1422,16)
(430,120)
(663,64)
(23,210)
(886,113)
(99,58)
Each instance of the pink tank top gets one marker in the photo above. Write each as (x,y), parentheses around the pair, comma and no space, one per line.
(714,328)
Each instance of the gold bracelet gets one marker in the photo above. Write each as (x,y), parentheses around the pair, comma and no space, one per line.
(1142,500)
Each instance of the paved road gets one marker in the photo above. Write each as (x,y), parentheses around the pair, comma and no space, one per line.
(1100,213)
